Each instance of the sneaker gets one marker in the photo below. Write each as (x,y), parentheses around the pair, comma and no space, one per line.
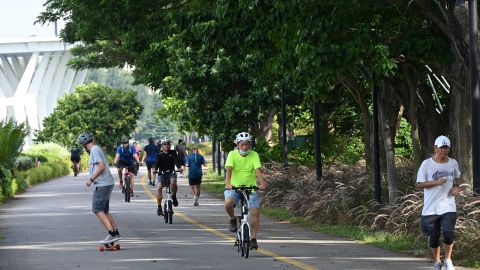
(449,264)
(233,225)
(118,236)
(109,239)
(437,266)
(195,201)
(174,199)
(149,183)
(253,243)
(159,211)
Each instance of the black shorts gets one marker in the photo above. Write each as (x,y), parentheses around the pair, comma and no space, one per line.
(194,181)
(127,164)
(433,224)
(151,164)
(165,180)
(75,159)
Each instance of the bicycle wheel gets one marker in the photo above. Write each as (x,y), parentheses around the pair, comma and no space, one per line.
(170,212)
(165,212)
(246,240)
(127,188)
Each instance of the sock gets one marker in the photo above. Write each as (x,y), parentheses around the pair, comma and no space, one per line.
(112,232)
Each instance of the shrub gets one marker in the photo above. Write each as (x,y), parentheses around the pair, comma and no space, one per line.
(39,174)
(23,163)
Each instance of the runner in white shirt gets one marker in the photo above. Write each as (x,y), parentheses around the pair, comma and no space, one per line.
(439,177)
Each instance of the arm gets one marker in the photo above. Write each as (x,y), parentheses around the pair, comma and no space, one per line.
(100,169)
(228,178)
(144,155)
(116,158)
(260,178)
(433,183)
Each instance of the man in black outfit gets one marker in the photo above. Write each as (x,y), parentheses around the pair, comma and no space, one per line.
(166,161)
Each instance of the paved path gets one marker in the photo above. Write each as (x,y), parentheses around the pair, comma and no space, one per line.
(51,227)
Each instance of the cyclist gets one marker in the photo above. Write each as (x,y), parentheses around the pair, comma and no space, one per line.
(75,158)
(150,153)
(166,161)
(102,180)
(194,162)
(243,169)
(125,156)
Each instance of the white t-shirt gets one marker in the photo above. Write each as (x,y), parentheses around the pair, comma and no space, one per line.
(436,199)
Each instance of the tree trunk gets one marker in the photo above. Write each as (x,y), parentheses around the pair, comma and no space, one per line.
(385,108)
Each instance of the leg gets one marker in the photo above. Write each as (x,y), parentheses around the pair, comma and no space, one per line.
(106,220)
(119,170)
(198,190)
(159,194)
(149,173)
(255,222)
(229,207)
(132,176)
(448,251)
(192,189)
(173,186)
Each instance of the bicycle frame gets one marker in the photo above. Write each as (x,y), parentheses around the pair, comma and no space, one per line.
(244,233)
(167,197)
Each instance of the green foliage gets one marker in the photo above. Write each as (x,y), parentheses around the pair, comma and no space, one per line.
(403,140)
(108,114)
(11,141)
(53,152)
(24,163)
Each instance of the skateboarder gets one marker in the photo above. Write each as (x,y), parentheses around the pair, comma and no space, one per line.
(102,180)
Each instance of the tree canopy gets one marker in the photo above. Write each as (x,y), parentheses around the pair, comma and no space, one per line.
(107,113)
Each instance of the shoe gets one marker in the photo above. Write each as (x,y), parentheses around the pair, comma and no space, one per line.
(150,183)
(174,199)
(448,264)
(119,236)
(437,266)
(233,225)
(159,211)
(253,243)
(195,201)
(109,239)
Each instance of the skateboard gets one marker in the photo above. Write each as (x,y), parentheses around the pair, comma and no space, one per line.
(110,246)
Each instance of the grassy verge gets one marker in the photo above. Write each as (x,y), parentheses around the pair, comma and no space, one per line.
(213,184)
(379,239)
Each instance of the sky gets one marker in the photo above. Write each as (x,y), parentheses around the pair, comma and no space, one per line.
(17,18)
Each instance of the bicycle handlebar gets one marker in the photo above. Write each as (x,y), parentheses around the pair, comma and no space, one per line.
(245,188)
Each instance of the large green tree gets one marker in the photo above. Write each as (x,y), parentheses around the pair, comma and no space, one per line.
(106,113)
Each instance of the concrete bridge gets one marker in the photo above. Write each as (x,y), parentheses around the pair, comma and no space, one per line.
(33,76)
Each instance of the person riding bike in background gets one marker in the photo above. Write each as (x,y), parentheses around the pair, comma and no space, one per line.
(243,169)
(139,154)
(167,159)
(75,158)
(150,153)
(125,156)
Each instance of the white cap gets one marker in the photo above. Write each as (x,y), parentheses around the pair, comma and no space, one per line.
(442,141)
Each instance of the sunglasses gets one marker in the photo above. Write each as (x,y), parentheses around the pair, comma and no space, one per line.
(165,144)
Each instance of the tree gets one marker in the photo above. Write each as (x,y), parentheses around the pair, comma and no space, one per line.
(106,113)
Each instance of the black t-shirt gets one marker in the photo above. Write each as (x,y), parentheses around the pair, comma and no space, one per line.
(75,154)
(167,161)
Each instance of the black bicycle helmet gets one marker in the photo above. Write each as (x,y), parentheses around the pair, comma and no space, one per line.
(85,138)
(125,140)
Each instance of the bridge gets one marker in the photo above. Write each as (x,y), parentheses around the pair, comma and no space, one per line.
(33,76)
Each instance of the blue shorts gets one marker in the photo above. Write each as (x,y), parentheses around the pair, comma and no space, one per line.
(101,199)
(254,201)
(433,224)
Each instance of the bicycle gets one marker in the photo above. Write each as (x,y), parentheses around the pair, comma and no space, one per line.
(75,168)
(243,235)
(164,178)
(126,183)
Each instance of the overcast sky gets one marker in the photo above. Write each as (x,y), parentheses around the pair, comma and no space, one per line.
(17,17)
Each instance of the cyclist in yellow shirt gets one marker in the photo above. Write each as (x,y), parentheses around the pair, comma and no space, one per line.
(243,169)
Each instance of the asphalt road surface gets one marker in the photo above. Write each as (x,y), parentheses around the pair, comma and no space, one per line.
(51,227)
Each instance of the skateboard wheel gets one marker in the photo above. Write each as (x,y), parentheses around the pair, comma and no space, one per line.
(117,246)
(111,247)
(101,248)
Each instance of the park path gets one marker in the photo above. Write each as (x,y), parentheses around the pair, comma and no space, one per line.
(51,227)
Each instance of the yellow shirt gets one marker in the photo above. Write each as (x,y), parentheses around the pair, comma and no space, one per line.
(243,172)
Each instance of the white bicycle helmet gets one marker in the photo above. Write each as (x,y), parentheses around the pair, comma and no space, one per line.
(243,136)
(164,140)
(85,138)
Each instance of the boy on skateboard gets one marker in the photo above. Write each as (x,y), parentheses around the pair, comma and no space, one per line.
(102,180)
